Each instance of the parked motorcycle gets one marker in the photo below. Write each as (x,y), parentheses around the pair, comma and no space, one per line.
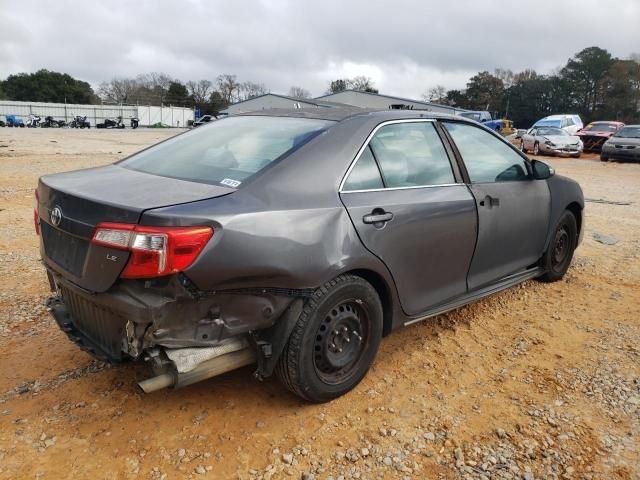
(134,122)
(50,122)
(33,121)
(14,121)
(80,122)
(111,123)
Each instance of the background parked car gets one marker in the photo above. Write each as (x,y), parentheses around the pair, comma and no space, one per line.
(595,134)
(485,118)
(623,145)
(569,123)
(552,141)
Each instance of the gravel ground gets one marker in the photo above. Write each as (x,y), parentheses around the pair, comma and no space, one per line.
(540,381)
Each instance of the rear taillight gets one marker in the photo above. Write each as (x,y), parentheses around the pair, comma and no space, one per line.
(155,251)
(36,213)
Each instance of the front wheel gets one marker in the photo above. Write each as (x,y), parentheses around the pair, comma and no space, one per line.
(334,341)
(536,149)
(604,158)
(522,147)
(557,258)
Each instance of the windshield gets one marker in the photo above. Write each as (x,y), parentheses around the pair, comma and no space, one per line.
(628,132)
(548,123)
(228,151)
(552,131)
(601,127)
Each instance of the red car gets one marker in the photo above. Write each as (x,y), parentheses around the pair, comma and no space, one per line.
(595,134)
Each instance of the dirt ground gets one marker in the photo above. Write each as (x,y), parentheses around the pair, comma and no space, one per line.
(540,381)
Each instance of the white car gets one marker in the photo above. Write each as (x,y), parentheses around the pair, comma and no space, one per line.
(570,123)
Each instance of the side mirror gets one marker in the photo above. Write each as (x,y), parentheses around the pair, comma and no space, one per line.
(542,170)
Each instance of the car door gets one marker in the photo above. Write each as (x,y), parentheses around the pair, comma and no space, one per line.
(513,208)
(413,212)
(529,139)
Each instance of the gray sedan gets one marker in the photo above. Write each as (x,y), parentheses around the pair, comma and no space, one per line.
(294,240)
(624,145)
(551,141)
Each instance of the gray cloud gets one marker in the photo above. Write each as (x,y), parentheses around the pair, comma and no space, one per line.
(406,46)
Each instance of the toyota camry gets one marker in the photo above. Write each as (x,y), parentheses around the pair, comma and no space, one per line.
(294,241)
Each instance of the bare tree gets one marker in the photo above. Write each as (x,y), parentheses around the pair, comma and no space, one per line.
(506,75)
(200,91)
(299,92)
(361,83)
(228,87)
(250,89)
(437,94)
(118,90)
(156,85)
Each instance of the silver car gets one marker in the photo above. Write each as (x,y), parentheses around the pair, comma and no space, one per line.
(552,141)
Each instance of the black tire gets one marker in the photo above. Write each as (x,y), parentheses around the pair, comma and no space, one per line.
(334,341)
(604,158)
(536,148)
(522,149)
(557,258)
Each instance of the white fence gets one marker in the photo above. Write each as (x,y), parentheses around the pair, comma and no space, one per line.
(148,115)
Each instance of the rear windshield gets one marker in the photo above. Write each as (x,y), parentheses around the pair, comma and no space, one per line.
(227,151)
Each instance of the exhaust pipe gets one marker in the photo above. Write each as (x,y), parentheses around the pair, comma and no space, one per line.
(223,362)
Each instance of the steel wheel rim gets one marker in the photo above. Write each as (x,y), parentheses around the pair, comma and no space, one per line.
(561,247)
(340,341)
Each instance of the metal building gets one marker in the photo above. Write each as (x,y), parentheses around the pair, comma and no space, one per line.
(273,100)
(378,101)
(148,115)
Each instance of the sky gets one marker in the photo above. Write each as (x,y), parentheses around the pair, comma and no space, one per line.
(405,46)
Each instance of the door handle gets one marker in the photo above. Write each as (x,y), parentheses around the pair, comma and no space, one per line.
(378,217)
(490,202)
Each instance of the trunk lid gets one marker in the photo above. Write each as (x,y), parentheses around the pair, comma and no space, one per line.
(71,204)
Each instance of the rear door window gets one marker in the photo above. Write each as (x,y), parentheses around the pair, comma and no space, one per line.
(411,154)
(227,151)
(487,158)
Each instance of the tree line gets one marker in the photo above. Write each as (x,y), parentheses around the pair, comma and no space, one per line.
(593,83)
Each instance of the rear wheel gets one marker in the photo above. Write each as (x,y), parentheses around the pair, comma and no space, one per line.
(557,258)
(334,342)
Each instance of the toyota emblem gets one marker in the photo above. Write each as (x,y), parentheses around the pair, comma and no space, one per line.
(56,216)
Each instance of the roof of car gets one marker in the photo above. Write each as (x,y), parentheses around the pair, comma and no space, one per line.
(338,114)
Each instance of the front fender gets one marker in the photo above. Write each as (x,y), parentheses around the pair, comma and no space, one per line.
(566,194)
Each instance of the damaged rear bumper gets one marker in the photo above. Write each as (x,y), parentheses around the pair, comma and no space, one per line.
(156,319)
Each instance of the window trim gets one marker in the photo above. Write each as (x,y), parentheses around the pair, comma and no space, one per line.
(366,144)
